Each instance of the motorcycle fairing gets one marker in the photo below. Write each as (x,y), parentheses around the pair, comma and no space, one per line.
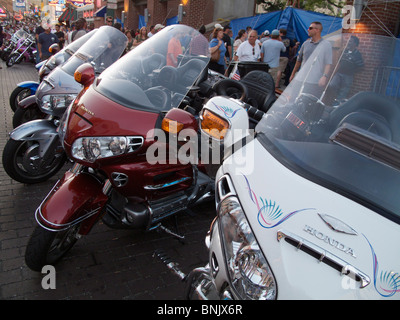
(277,201)
(150,181)
(76,198)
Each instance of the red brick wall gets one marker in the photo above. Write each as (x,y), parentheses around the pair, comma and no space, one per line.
(198,12)
(383,15)
(376,15)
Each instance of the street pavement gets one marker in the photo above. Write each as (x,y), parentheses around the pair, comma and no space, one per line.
(106,264)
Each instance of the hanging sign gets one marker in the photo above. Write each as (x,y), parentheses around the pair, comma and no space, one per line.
(79,3)
(18,17)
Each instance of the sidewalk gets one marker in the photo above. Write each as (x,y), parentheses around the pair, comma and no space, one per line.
(106,264)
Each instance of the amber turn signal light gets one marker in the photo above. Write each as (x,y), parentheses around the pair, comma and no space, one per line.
(171,126)
(214,125)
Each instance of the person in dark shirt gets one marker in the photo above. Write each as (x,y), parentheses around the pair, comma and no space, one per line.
(228,43)
(39,29)
(351,62)
(60,35)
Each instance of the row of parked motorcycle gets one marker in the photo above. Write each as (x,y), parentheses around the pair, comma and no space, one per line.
(19,47)
(102,118)
(146,140)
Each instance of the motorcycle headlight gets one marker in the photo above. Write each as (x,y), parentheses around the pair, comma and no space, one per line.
(93,148)
(51,102)
(249,272)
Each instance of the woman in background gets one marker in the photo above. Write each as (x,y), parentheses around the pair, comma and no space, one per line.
(142,36)
(216,44)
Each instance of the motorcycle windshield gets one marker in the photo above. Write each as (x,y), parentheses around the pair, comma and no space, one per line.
(61,57)
(157,74)
(101,50)
(21,34)
(337,123)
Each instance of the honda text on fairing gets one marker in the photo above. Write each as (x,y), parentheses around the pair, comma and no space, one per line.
(110,131)
(34,151)
(309,208)
(28,88)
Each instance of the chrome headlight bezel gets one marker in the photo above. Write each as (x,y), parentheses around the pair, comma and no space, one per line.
(90,149)
(53,101)
(247,268)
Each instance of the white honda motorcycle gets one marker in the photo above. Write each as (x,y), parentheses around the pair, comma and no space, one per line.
(309,207)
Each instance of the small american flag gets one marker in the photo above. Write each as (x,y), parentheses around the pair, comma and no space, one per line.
(235,73)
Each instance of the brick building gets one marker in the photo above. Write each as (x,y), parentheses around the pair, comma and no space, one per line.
(196,12)
(378,18)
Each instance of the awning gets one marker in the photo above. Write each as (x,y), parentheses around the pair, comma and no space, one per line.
(69,14)
(101,12)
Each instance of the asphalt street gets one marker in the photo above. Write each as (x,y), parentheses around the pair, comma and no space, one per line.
(106,264)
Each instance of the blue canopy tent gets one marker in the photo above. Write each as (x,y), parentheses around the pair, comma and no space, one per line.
(170,21)
(295,21)
(393,83)
(261,22)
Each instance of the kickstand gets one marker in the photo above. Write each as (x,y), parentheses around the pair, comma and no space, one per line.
(181,238)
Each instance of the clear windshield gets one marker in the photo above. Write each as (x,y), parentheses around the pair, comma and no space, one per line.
(340,124)
(60,57)
(21,34)
(101,50)
(158,73)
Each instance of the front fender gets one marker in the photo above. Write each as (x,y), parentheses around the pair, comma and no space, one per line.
(33,85)
(27,102)
(74,199)
(42,131)
(34,130)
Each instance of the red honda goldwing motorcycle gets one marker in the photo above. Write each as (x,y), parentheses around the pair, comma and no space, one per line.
(108,131)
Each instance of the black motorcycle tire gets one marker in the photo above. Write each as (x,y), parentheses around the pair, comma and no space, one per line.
(48,247)
(17,95)
(22,115)
(12,59)
(18,163)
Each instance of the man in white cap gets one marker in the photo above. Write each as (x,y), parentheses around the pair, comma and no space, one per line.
(264,36)
(158,27)
(45,40)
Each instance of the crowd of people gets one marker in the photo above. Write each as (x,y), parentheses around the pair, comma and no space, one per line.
(273,48)
(63,34)
(283,55)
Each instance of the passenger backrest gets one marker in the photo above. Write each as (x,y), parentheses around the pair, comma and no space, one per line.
(261,89)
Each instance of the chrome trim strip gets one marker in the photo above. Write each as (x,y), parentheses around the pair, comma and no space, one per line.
(133,146)
(61,227)
(165,185)
(346,268)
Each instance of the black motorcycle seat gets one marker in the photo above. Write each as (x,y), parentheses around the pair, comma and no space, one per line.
(153,62)
(159,98)
(179,79)
(369,121)
(261,89)
(382,110)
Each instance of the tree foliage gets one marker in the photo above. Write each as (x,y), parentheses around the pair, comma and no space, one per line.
(325,6)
